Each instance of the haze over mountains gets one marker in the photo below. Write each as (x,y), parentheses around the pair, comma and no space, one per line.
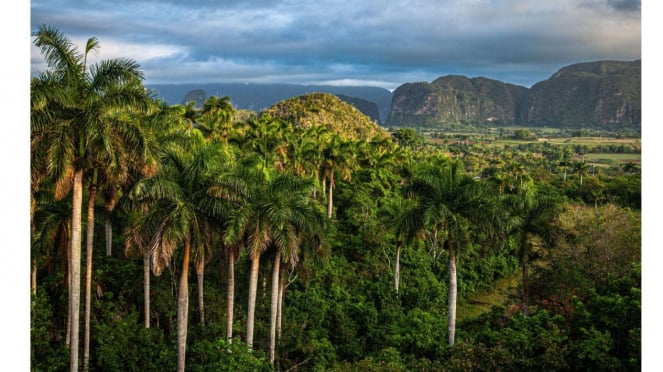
(602,94)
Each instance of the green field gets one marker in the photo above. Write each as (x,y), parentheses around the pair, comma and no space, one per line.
(613,158)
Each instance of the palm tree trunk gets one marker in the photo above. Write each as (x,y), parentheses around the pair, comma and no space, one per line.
(253,288)
(33,277)
(330,198)
(146,287)
(75,285)
(108,227)
(89,248)
(276,269)
(453,291)
(183,308)
(67,337)
(200,272)
(231,295)
(434,244)
(279,313)
(525,283)
(397,267)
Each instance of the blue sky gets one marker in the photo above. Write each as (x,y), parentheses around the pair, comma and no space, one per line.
(377,43)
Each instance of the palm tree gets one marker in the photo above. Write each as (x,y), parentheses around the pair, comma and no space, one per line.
(50,233)
(445,204)
(180,212)
(294,218)
(565,165)
(405,227)
(232,187)
(530,216)
(216,118)
(247,225)
(337,156)
(517,170)
(630,167)
(85,105)
(581,168)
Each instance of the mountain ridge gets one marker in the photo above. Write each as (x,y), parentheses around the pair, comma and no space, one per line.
(602,94)
(258,97)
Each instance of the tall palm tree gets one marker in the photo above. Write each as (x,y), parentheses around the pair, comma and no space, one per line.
(518,171)
(565,164)
(88,106)
(180,213)
(268,217)
(247,226)
(338,156)
(294,218)
(530,216)
(234,187)
(581,168)
(446,202)
(405,226)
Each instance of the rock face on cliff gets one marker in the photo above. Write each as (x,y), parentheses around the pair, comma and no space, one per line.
(368,108)
(602,94)
(456,99)
(599,94)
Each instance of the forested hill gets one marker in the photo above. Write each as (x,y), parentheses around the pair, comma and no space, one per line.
(329,111)
(258,97)
(602,94)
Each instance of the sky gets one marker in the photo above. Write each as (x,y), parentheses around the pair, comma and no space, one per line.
(382,43)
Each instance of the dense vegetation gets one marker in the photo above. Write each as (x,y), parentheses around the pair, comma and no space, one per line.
(325,246)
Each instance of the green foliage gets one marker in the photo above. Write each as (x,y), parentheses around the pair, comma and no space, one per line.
(224,355)
(46,354)
(605,326)
(341,311)
(408,137)
(121,343)
(523,134)
(515,343)
(329,111)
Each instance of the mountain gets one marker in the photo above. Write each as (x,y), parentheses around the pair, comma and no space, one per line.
(258,97)
(324,109)
(600,94)
(603,94)
(453,99)
(366,107)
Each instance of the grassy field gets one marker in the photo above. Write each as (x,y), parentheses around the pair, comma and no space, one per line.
(613,158)
(504,293)
(593,141)
(589,141)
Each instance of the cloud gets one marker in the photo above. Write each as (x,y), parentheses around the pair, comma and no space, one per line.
(626,6)
(377,41)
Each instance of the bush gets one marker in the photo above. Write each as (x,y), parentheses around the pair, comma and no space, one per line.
(125,345)
(45,354)
(222,355)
